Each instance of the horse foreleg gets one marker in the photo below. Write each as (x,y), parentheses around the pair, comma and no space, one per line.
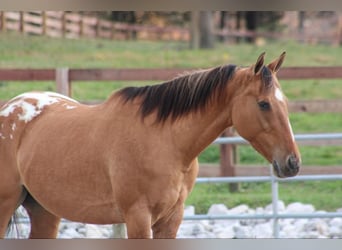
(138,222)
(43,223)
(167,227)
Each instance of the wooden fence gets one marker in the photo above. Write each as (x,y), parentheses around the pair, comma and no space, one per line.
(64,78)
(76,25)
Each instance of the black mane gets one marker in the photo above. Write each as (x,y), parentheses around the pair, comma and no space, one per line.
(180,95)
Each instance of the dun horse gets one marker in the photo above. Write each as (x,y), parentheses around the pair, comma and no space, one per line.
(133,158)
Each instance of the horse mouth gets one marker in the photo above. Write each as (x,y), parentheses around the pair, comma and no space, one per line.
(288,171)
(277,169)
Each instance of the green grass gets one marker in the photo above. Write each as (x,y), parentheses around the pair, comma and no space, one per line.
(36,52)
(323,195)
(20,51)
(318,89)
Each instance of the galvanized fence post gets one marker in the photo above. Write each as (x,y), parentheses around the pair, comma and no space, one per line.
(275,197)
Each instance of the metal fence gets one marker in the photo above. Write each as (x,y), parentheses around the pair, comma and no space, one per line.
(275,194)
(298,137)
(274,186)
(275,215)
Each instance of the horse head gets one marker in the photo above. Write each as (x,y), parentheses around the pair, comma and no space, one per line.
(260,115)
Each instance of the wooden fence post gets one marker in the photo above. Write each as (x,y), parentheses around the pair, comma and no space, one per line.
(63,20)
(81,30)
(44,23)
(227,164)
(2,20)
(97,27)
(112,31)
(339,30)
(21,22)
(63,85)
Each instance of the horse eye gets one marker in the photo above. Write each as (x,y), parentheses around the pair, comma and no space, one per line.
(264,105)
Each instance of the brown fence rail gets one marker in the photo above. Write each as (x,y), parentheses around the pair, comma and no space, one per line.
(76,25)
(143,74)
(64,78)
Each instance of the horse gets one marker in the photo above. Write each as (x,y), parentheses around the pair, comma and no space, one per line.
(133,158)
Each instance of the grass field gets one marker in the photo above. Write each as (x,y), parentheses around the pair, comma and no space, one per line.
(19,51)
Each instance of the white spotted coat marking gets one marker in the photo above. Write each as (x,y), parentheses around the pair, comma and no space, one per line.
(30,111)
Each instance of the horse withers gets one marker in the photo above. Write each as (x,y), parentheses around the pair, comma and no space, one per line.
(133,158)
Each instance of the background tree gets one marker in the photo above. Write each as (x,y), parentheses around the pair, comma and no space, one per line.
(260,20)
(206,24)
(202,25)
(251,18)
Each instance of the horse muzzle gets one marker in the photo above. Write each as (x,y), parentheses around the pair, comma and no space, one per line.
(289,169)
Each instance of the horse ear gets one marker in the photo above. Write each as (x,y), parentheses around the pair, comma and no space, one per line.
(275,65)
(260,62)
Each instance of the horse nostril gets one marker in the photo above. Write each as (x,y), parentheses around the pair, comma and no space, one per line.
(293,163)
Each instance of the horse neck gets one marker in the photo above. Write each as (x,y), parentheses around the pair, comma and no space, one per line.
(196,131)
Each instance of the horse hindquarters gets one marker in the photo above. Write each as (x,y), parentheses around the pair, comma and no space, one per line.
(10,199)
(12,193)
(43,223)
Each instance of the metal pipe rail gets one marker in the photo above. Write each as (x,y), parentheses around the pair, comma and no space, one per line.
(262,216)
(274,184)
(298,137)
(238,179)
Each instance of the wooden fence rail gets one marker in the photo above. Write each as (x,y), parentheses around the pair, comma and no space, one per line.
(64,78)
(158,74)
(77,25)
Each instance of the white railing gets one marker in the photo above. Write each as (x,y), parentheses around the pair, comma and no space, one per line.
(274,185)
(275,215)
(298,137)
